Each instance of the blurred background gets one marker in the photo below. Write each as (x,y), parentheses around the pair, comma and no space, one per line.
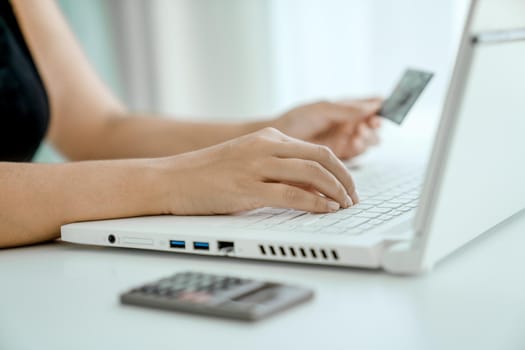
(246,59)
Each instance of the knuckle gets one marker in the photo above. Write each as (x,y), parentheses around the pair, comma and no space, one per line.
(261,139)
(270,131)
(258,140)
(324,151)
(319,204)
(255,202)
(314,167)
(317,172)
(291,195)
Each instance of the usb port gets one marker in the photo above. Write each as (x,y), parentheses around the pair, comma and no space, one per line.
(177,244)
(201,246)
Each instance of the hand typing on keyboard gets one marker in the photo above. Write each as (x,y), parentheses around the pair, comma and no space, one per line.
(262,169)
(385,196)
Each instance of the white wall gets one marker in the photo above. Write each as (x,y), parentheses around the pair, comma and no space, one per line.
(212,57)
(321,49)
(241,58)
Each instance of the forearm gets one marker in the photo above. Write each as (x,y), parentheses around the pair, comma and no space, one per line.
(38,198)
(86,119)
(152,136)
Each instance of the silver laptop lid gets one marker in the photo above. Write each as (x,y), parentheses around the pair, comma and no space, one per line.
(476,176)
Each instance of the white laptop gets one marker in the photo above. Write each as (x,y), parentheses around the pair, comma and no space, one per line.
(409,217)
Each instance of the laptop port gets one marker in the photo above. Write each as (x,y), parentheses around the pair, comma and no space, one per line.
(111,239)
(225,246)
(201,246)
(177,244)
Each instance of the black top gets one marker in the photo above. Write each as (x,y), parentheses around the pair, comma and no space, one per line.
(24,107)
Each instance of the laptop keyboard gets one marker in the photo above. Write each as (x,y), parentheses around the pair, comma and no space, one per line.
(384,196)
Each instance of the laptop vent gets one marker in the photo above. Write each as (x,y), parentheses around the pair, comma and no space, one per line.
(298,252)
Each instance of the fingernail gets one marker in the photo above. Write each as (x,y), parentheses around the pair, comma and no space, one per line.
(356,196)
(333,206)
(348,201)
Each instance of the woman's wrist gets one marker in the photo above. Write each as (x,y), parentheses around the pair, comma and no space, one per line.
(160,178)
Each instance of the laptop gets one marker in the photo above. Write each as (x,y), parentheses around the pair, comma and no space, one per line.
(410,216)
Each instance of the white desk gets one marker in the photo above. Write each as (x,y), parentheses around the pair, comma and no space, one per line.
(61,296)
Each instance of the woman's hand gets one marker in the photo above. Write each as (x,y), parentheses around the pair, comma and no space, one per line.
(349,128)
(262,169)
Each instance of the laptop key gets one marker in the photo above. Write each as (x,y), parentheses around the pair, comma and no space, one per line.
(352,222)
(379,210)
(366,214)
(376,222)
(362,206)
(389,205)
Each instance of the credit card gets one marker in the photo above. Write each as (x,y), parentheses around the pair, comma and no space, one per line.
(405,95)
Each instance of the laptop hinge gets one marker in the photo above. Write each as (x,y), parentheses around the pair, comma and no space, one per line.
(404,258)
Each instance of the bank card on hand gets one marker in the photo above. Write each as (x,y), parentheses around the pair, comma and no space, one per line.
(405,95)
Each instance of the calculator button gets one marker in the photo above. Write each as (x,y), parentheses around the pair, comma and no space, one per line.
(148,289)
(164,285)
(205,279)
(202,288)
(163,292)
(231,282)
(223,283)
(195,297)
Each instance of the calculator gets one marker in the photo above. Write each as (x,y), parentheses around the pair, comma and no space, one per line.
(217,295)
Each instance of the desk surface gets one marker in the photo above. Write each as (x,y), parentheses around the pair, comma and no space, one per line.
(62,296)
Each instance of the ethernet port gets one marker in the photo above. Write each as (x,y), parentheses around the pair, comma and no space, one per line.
(225,246)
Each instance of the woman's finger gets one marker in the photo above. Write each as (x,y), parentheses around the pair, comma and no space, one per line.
(374,138)
(374,122)
(358,143)
(367,134)
(307,174)
(322,155)
(281,195)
